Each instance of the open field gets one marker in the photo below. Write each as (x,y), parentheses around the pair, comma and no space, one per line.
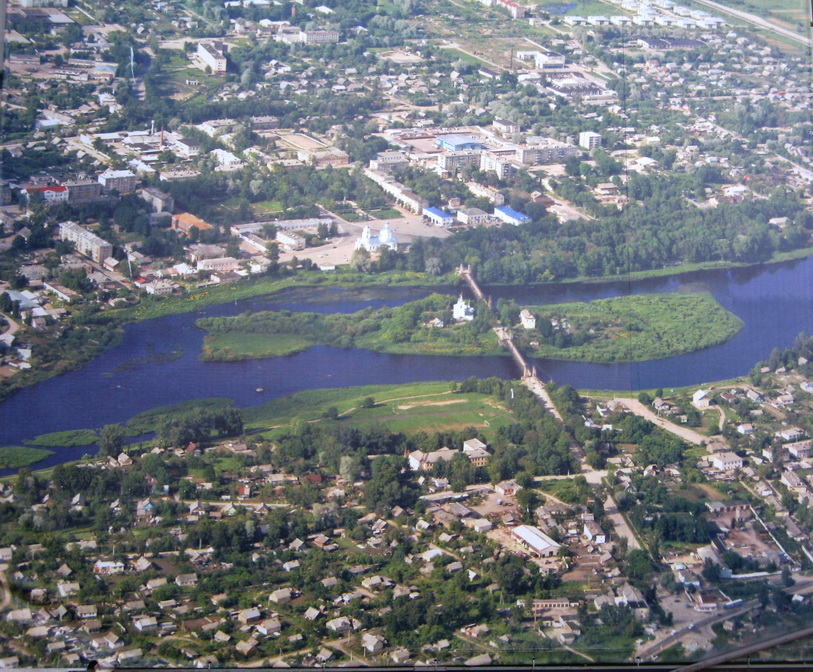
(406,408)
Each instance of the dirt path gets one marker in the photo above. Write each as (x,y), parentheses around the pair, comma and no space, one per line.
(684,433)
(622,528)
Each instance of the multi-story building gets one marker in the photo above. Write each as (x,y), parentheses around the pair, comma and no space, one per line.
(159,200)
(86,243)
(495,163)
(545,150)
(83,191)
(451,162)
(589,139)
(318,36)
(213,54)
(123,181)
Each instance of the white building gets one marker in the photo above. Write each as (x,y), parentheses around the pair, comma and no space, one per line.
(589,139)
(213,54)
(727,461)
(462,311)
(86,243)
(536,541)
(527,319)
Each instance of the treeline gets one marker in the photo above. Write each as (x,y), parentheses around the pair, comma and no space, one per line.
(668,230)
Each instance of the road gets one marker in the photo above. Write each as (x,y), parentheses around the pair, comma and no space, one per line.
(644,411)
(13,327)
(622,528)
(671,640)
(757,21)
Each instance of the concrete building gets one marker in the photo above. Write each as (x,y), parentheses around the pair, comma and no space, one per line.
(451,162)
(388,161)
(472,216)
(545,150)
(86,243)
(83,191)
(123,181)
(290,240)
(589,139)
(318,36)
(160,201)
(213,54)
(496,163)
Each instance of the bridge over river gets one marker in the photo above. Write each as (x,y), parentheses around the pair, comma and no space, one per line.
(506,339)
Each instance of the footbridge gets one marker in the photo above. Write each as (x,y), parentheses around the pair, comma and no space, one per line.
(506,338)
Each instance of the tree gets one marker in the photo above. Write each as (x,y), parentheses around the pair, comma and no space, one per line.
(111,440)
(638,564)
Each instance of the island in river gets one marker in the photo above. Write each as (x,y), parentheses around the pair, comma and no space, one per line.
(627,328)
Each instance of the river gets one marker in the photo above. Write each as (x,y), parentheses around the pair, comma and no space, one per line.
(775,302)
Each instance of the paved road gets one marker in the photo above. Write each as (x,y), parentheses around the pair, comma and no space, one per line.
(644,411)
(758,21)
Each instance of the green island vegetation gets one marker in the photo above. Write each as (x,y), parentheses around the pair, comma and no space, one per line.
(628,328)
(15,457)
(151,420)
(394,330)
(65,439)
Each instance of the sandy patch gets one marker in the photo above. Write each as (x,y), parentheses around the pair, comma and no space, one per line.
(406,407)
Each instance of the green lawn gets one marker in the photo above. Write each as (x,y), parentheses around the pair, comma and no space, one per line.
(385,213)
(15,457)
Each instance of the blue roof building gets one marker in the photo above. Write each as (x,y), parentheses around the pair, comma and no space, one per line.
(438,217)
(510,216)
(456,142)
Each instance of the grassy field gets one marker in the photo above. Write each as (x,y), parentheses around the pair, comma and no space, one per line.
(639,327)
(254,346)
(15,457)
(69,438)
(406,408)
(468,58)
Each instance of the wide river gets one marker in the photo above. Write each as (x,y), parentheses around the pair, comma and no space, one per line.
(775,302)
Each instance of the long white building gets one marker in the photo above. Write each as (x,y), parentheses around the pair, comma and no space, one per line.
(86,243)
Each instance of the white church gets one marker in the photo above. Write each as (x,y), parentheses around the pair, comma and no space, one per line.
(372,242)
(462,311)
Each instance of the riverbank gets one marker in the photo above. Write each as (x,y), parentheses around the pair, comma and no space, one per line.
(154,307)
(682,269)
